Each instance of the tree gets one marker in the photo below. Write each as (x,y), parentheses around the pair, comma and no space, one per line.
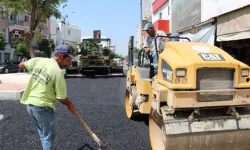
(39,10)
(44,47)
(52,45)
(136,50)
(92,45)
(113,55)
(74,49)
(20,47)
(2,41)
(47,46)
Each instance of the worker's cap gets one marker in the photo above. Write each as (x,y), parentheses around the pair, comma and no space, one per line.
(63,49)
(147,26)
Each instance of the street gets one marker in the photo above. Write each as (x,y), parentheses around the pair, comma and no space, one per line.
(99,100)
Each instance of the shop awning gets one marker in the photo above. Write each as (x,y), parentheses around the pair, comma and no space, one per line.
(234,25)
(205,34)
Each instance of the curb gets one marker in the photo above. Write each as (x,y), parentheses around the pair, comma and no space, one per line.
(11,95)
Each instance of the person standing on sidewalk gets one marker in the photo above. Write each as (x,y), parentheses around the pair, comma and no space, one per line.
(47,84)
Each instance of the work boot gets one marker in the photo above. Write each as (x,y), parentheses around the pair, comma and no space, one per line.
(155,66)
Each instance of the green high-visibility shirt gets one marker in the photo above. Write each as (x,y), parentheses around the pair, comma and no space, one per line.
(46,84)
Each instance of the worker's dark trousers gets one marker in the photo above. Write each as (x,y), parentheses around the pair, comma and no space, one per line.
(43,118)
(153,60)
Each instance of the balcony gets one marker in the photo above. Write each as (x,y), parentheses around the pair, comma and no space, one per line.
(19,22)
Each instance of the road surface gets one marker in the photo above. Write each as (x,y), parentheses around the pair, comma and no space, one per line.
(99,100)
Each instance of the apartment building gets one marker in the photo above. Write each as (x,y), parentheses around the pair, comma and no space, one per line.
(146,16)
(68,34)
(16,25)
(5,54)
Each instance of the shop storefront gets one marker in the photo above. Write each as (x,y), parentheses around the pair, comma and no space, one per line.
(203,32)
(233,33)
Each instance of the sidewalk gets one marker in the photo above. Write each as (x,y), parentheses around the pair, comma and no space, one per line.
(13,85)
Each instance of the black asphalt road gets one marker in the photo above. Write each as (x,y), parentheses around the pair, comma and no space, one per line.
(99,100)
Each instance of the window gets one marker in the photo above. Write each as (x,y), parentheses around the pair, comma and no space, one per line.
(68,32)
(168,10)
(13,17)
(26,18)
(6,56)
(160,16)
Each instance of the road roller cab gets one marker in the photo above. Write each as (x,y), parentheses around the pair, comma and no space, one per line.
(198,100)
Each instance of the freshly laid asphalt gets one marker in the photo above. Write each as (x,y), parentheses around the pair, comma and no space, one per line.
(100,101)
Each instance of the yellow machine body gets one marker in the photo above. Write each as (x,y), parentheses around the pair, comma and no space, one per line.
(198,100)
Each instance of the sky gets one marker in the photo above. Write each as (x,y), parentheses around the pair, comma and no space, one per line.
(117,19)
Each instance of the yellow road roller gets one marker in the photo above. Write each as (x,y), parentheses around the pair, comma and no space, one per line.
(198,100)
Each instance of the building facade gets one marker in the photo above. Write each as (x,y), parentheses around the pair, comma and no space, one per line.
(146,16)
(68,34)
(161,15)
(16,25)
(139,38)
(6,53)
(223,23)
(113,48)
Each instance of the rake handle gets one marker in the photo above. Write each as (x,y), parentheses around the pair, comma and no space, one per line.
(84,124)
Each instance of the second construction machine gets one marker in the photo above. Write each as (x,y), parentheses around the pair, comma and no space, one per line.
(198,100)
(97,62)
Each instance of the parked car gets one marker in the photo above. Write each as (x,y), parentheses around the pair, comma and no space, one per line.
(8,68)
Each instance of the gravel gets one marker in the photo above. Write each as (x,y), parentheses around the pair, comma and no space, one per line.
(100,101)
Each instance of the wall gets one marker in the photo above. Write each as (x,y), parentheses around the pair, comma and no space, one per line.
(138,41)
(53,30)
(185,13)
(164,11)
(161,15)
(213,8)
(69,34)
(146,8)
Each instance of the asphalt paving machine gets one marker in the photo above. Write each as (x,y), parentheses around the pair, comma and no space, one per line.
(97,62)
(199,99)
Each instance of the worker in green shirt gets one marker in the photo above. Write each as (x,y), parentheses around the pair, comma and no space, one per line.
(47,84)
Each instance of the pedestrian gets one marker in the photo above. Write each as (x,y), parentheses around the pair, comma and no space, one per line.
(149,44)
(47,84)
